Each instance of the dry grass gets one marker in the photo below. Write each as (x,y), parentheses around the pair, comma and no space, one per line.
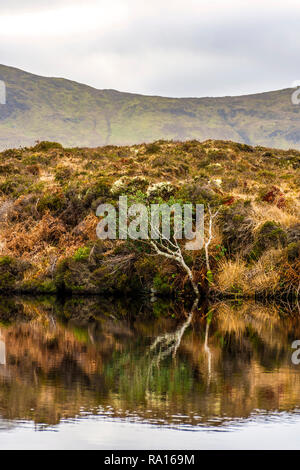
(230,274)
(263,276)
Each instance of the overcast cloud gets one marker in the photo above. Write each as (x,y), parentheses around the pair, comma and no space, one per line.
(163,47)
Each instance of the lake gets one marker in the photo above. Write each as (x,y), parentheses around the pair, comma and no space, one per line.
(88,373)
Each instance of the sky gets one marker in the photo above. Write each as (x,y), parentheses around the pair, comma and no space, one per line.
(174,48)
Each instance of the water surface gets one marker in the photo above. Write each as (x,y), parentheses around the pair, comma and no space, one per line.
(92,374)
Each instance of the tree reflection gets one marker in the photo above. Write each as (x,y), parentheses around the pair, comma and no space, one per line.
(168,343)
(2,351)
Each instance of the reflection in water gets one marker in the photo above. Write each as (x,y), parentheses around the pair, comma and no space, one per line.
(208,351)
(63,361)
(168,343)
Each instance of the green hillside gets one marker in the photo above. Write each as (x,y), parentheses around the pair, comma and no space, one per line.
(56,109)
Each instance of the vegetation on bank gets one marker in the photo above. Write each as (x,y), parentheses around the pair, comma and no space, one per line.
(48,200)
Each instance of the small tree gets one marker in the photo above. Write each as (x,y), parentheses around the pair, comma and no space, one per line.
(170,248)
(135,221)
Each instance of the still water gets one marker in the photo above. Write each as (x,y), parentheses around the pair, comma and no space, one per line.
(90,374)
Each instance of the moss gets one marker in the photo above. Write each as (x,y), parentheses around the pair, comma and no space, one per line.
(7,281)
(82,254)
(6,261)
(37,286)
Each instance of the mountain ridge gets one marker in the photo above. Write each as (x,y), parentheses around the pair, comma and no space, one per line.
(75,114)
(141,94)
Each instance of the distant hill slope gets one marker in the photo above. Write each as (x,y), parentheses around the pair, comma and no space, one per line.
(56,109)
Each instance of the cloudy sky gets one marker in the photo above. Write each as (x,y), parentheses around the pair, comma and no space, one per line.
(163,47)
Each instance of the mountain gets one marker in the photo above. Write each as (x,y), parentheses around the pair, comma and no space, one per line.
(55,109)
(49,198)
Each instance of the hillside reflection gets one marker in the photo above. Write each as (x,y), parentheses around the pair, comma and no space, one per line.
(63,361)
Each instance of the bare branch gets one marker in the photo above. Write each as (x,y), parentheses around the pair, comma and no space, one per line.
(210,235)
